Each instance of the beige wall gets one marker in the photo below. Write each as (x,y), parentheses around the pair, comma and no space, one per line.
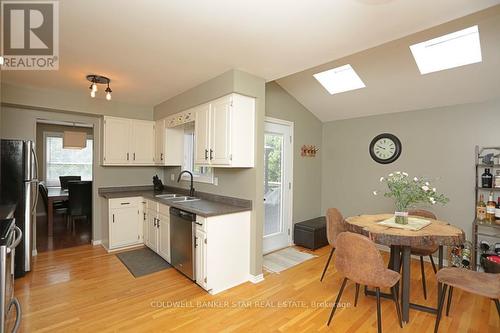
(437,143)
(19,119)
(239,183)
(306,170)
(52,128)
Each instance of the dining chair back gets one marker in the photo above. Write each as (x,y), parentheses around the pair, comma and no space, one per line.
(334,226)
(80,198)
(44,194)
(63,180)
(359,260)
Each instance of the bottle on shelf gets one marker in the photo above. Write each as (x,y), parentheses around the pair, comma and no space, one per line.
(490,208)
(487,179)
(497,179)
(481,209)
(497,211)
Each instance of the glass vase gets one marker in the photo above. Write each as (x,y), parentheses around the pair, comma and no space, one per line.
(401,217)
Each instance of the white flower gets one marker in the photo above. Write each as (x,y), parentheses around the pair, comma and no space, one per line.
(425,188)
(405,174)
(433,189)
(381,179)
(391,174)
(375,193)
(431,199)
(427,183)
(398,172)
(415,179)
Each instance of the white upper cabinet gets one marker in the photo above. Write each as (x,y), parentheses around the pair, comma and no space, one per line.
(142,142)
(128,141)
(225,132)
(169,144)
(116,141)
(160,142)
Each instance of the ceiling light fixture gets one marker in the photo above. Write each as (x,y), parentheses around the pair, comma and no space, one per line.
(99,79)
(340,79)
(449,51)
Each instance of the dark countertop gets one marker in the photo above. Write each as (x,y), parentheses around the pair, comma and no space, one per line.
(208,205)
(7,211)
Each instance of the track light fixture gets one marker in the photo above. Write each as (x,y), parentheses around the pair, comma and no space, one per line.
(99,79)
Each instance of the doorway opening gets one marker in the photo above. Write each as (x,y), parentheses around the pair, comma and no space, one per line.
(65,168)
(278,175)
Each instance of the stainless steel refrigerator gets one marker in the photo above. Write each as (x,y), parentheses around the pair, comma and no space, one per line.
(19,185)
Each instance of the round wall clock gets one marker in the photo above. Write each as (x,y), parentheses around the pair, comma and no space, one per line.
(385,148)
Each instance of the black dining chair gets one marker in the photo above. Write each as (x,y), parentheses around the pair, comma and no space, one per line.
(60,207)
(80,201)
(63,180)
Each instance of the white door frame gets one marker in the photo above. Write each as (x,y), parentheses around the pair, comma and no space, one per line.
(287,224)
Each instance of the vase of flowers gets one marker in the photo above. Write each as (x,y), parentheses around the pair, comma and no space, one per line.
(408,192)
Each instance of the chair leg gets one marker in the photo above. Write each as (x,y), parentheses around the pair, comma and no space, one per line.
(327,263)
(379,315)
(433,264)
(398,309)
(423,276)
(357,294)
(497,303)
(337,301)
(448,302)
(440,308)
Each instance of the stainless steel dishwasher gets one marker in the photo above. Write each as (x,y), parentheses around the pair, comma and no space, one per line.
(182,233)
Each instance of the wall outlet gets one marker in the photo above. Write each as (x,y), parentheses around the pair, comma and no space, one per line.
(216,181)
(172,177)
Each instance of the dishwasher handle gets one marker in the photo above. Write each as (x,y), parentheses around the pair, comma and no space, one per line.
(183,214)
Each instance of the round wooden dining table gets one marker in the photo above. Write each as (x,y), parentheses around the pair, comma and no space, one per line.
(400,241)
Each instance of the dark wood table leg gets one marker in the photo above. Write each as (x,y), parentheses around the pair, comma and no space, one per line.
(405,284)
(440,265)
(397,265)
(50,217)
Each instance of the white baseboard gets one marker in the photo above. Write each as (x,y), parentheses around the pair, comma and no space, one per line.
(96,242)
(256,278)
(134,246)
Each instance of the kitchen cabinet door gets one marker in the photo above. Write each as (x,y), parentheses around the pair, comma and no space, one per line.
(160,142)
(201,259)
(201,134)
(152,242)
(142,142)
(116,141)
(220,131)
(164,236)
(124,226)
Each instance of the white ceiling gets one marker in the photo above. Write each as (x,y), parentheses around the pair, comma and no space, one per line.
(393,81)
(153,50)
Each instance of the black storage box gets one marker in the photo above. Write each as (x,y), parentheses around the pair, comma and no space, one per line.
(311,233)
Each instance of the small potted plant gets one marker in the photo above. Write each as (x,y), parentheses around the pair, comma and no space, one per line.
(408,193)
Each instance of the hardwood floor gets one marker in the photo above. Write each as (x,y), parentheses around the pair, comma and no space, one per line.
(87,290)
(63,237)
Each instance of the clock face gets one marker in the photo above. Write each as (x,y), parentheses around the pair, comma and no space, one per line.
(385,148)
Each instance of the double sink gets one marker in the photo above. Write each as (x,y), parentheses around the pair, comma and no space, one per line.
(176,197)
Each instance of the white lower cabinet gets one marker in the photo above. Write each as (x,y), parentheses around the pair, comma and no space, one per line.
(157,229)
(201,258)
(125,222)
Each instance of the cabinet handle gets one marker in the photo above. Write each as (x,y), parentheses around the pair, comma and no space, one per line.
(144,218)
(206,154)
(127,156)
(124,203)
(113,218)
(195,241)
(134,156)
(211,154)
(198,223)
(154,221)
(161,156)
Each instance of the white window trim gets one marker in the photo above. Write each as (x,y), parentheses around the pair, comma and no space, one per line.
(59,135)
(208,179)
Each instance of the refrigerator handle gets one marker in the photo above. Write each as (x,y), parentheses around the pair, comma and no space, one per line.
(35,194)
(35,158)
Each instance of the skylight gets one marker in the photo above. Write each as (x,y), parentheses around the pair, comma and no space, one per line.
(339,79)
(449,51)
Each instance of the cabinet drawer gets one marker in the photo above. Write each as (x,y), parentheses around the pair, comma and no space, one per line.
(201,223)
(164,209)
(124,202)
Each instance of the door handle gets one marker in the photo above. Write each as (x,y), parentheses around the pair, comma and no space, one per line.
(211,154)
(206,154)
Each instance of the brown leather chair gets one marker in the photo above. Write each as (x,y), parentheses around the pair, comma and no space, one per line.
(424,251)
(360,261)
(334,226)
(479,283)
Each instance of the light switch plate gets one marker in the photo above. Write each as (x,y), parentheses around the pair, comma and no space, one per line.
(172,177)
